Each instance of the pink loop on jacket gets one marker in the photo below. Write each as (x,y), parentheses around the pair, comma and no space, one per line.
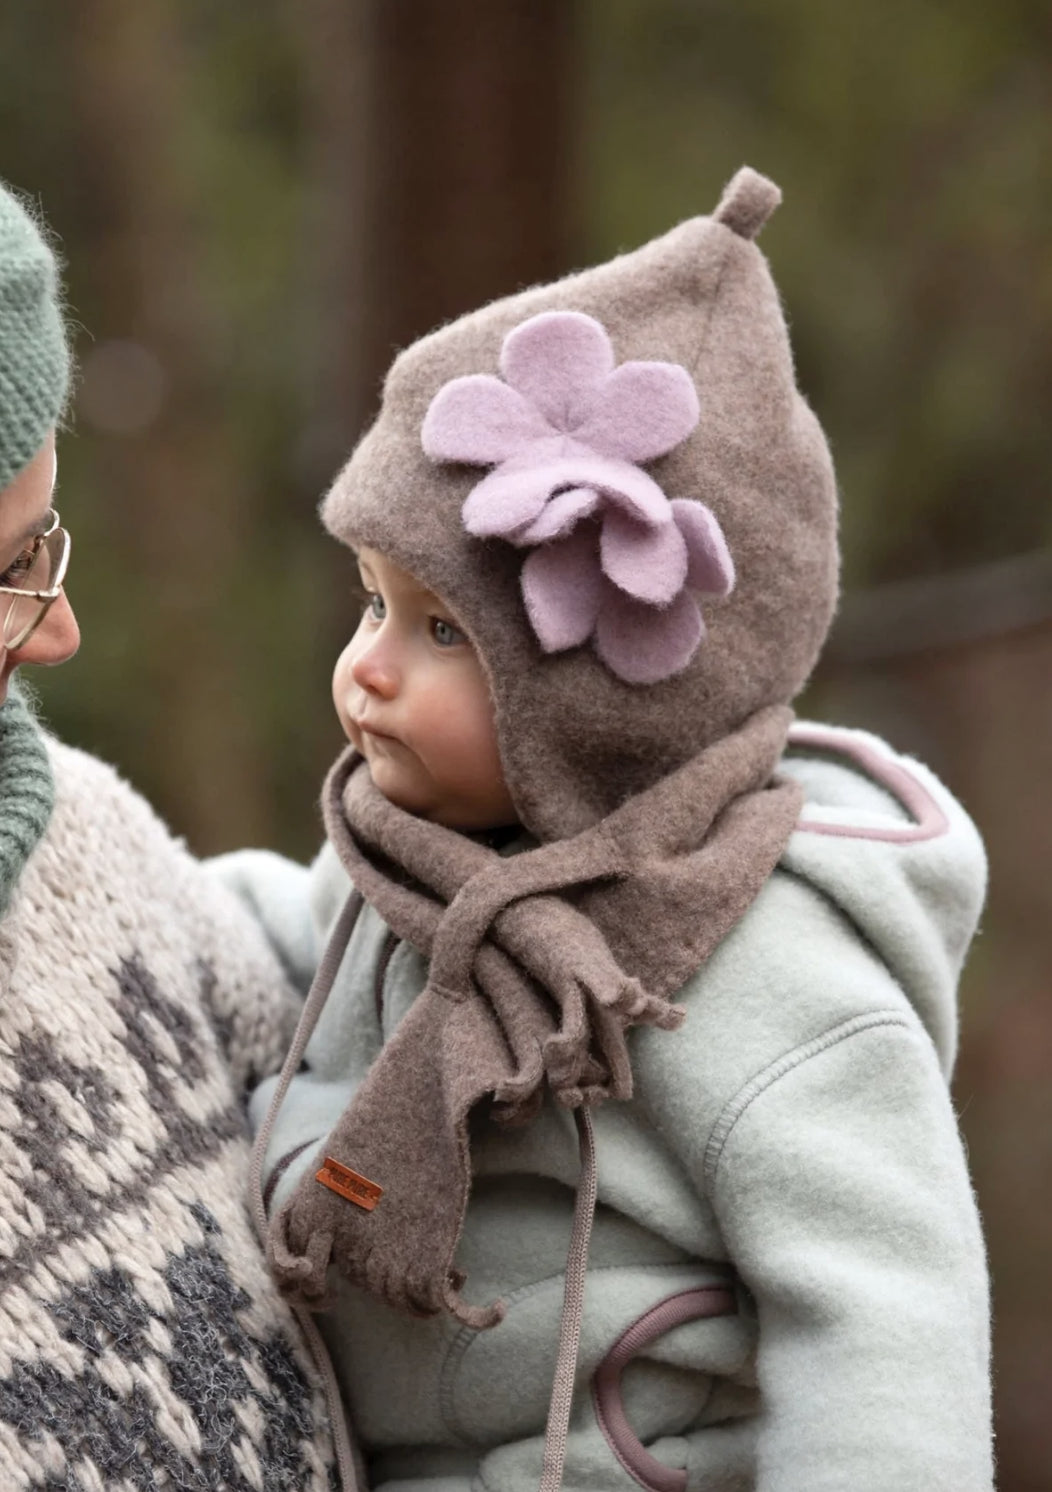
(929,819)
(677,1310)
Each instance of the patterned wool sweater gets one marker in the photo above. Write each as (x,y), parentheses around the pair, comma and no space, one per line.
(142,1343)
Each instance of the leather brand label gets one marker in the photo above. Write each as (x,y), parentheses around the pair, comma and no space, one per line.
(357,1189)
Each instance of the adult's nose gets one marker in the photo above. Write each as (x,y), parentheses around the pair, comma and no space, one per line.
(56,639)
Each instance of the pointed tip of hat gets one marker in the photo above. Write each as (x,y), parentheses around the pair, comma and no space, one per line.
(748,201)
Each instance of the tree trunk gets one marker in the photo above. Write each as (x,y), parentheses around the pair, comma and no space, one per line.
(440,172)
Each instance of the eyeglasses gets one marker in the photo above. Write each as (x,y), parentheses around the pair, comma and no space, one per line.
(41,569)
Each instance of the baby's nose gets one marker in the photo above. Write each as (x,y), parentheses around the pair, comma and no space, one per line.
(376,671)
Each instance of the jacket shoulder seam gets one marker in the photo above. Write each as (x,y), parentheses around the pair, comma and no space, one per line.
(735,1107)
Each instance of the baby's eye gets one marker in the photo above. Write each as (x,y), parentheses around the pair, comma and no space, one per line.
(444,633)
(375,606)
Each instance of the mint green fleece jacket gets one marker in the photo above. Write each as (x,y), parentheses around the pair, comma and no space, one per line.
(787,1286)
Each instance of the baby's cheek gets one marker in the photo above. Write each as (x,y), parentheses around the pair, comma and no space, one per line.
(477,740)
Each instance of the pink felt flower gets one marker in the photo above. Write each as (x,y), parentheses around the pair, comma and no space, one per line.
(566,430)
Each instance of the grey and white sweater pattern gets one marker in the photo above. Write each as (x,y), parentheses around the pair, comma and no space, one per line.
(142,1342)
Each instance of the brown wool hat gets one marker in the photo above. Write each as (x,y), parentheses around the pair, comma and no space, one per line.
(575,738)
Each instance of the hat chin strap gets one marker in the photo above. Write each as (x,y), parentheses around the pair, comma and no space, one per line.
(570,1320)
(348,1457)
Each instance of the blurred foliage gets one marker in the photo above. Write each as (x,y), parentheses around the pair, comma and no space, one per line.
(914,249)
(165,145)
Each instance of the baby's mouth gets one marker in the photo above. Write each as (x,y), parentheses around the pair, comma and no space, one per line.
(372,730)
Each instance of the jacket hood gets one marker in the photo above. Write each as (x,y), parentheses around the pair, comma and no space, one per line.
(883,840)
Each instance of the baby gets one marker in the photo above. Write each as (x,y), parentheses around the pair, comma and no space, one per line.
(615,1148)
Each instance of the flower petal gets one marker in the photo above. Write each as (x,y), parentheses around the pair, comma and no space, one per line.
(512,496)
(555,360)
(642,410)
(710,568)
(647,562)
(628,488)
(561,587)
(644,644)
(621,483)
(480,420)
(501,503)
(560,514)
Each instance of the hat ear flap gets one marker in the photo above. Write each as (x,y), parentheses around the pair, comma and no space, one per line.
(748,201)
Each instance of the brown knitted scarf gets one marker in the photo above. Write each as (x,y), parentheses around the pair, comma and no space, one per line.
(539,964)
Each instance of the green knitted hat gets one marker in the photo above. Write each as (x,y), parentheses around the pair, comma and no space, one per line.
(34,357)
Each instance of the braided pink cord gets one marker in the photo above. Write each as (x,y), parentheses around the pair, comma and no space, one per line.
(573,1309)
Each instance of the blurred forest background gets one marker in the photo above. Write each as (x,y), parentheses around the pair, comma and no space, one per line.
(259,202)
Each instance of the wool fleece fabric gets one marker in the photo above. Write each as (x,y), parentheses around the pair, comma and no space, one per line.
(787,1284)
(143,1344)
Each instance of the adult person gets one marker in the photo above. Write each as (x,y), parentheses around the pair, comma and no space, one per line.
(142,1341)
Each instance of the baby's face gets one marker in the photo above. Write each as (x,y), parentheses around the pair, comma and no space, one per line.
(412,698)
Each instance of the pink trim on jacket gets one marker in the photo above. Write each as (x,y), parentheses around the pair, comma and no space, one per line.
(686,1305)
(929,819)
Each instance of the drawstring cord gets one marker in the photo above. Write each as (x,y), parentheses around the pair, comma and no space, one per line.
(558,1426)
(352,1477)
(557,1430)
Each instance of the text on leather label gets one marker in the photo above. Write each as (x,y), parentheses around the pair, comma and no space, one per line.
(357,1189)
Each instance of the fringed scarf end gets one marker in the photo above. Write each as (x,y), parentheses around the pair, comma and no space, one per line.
(479,1318)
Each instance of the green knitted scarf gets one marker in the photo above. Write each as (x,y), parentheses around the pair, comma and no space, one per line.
(27,791)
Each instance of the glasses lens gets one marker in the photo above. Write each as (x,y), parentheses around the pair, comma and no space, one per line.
(25,611)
